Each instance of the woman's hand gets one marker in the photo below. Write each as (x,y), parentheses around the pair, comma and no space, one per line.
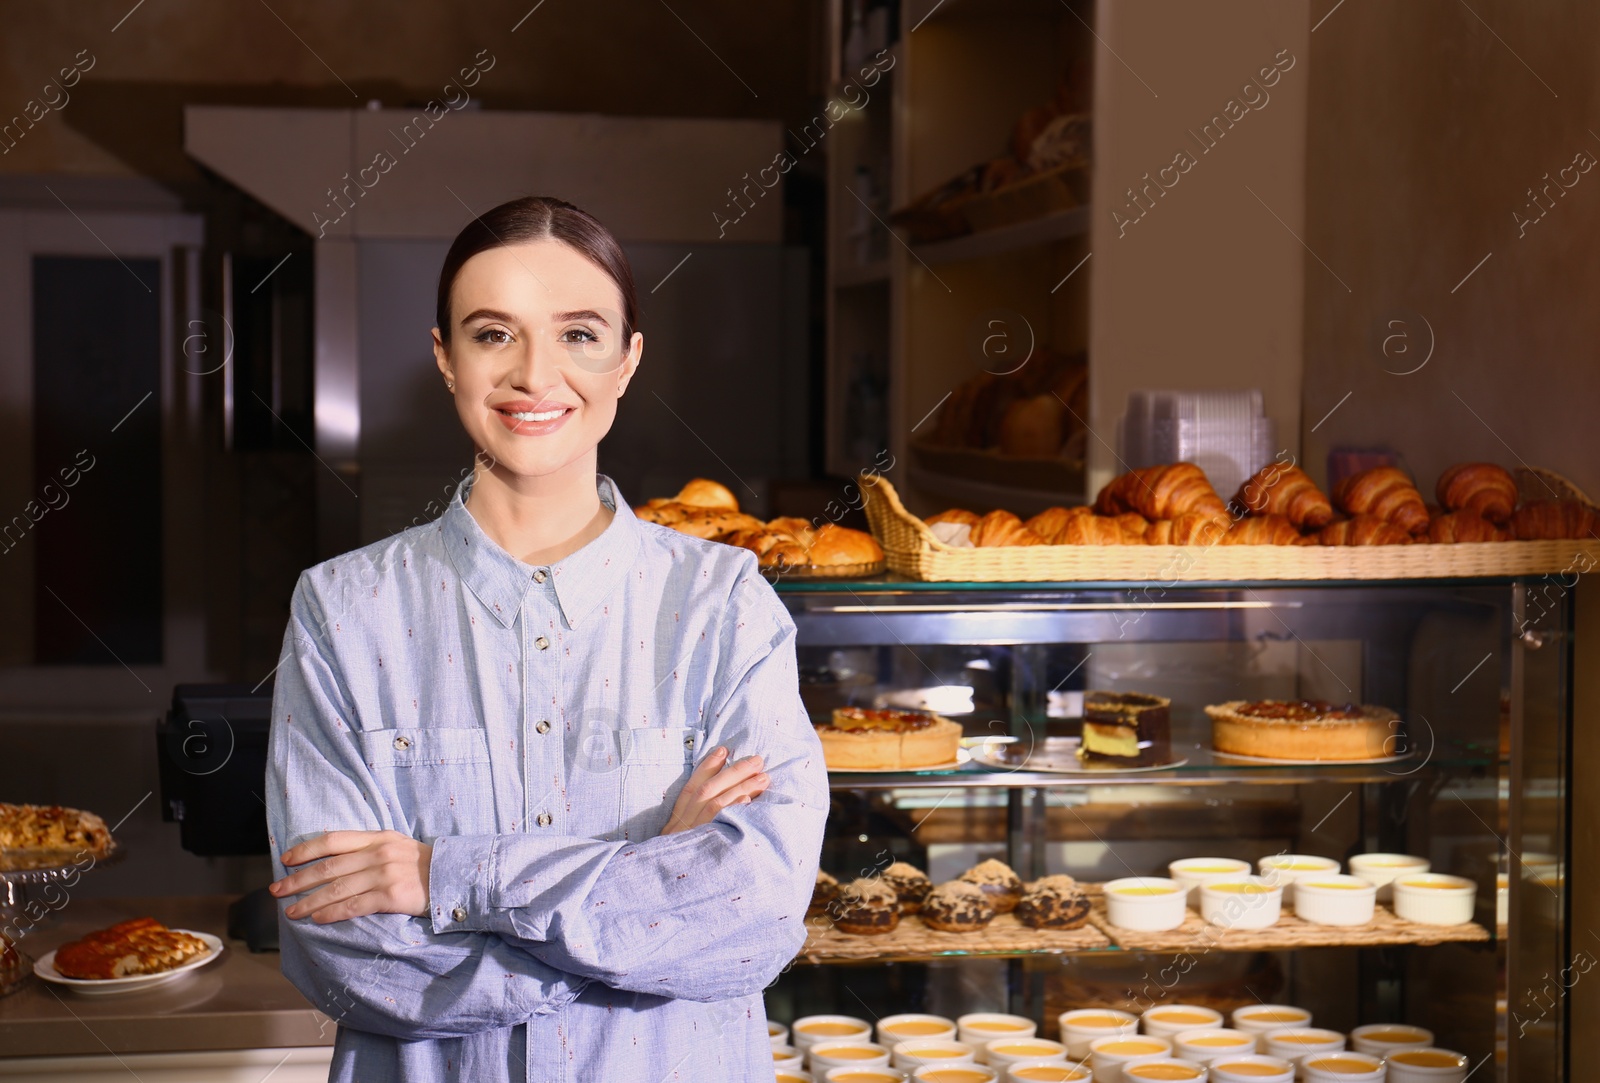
(714,786)
(360,872)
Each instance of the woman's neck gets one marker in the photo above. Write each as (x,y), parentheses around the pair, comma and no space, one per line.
(539,520)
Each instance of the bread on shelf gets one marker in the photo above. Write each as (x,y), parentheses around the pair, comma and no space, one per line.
(1386,492)
(1161,492)
(1361,530)
(1482,489)
(1003,528)
(1465,526)
(1279,489)
(1546,520)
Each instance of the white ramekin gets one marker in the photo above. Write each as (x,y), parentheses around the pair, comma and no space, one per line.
(1401,1072)
(1055,1071)
(778,1033)
(936,1052)
(1379,870)
(1342,1068)
(1295,1044)
(1435,899)
(1108,1056)
(1227,908)
(887,1035)
(787,1056)
(1285,869)
(1152,913)
(875,1074)
(1077,1035)
(1002,1053)
(1164,1020)
(1381,1039)
(794,1075)
(1220,1073)
(1132,1073)
(1191,872)
(824,1055)
(1334,900)
(931,1071)
(978,1029)
(802,1039)
(1207,1044)
(1249,1019)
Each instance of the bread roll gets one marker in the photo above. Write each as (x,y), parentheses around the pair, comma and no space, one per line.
(705,493)
(1003,528)
(1034,427)
(836,544)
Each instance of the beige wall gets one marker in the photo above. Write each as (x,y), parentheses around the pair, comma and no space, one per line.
(1205,291)
(1424,133)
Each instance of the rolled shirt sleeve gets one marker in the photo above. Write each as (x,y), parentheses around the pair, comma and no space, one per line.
(389,974)
(706,914)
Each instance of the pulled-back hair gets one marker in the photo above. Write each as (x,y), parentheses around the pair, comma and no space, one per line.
(535,218)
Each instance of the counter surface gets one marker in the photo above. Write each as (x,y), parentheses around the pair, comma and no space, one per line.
(240,1001)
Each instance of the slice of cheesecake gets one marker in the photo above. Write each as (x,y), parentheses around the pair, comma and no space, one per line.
(1129,728)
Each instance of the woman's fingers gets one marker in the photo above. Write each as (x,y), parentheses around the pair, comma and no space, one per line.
(337,890)
(731,775)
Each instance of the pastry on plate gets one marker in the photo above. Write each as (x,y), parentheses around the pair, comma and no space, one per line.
(1053,902)
(884,738)
(910,884)
(825,892)
(866,907)
(1129,728)
(140,946)
(998,882)
(1304,730)
(957,907)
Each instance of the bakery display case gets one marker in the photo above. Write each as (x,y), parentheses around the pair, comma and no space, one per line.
(1415,833)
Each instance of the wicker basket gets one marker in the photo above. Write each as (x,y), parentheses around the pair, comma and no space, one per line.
(913,551)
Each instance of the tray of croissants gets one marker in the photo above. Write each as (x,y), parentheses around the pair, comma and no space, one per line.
(784,546)
(1168,522)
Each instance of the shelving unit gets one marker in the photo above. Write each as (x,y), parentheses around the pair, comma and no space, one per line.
(1440,651)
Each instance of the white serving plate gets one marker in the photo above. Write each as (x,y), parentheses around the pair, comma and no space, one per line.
(44,968)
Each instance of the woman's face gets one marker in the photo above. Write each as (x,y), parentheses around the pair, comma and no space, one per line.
(536,355)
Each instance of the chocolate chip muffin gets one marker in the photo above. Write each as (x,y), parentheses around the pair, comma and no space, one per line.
(957,907)
(1053,902)
(825,892)
(866,907)
(910,883)
(1001,886)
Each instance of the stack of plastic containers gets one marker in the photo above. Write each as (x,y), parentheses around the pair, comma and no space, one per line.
(1225,433)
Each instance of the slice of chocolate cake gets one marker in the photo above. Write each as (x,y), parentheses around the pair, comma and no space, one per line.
(1127,728)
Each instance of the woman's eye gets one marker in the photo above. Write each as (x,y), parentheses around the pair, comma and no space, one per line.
(578,334)
(493,336)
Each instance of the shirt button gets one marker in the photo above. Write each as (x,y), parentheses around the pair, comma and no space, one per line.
(688,742)
(539,576)
(459,913)
(402,743)
(543,726)
(541,643)
(544,819)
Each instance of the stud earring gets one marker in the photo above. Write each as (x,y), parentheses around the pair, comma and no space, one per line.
(449,385)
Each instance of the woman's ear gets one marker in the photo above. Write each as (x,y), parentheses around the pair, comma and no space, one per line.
(441,357)
(630,364)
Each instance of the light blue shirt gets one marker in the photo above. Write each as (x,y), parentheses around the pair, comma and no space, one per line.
(535,724)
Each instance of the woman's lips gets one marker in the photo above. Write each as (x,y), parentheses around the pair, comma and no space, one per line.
(533,428)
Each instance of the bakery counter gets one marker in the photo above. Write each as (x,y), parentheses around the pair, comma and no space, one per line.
(239,1002)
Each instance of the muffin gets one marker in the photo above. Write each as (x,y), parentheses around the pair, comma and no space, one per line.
(1000,885)
(1053,902)
(957,907)
(825,892)
(866,907)
(910,883)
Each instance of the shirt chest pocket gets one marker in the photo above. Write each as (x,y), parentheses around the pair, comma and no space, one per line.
(435,780)
(656,762)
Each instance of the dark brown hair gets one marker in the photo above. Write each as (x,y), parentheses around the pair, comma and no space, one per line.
(534,218)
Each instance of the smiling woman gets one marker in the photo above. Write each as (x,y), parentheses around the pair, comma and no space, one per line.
(508,819)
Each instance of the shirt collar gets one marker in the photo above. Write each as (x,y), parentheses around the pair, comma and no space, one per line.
(580,582)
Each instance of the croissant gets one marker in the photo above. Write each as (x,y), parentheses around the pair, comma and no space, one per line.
(1362,530)
(1048,523)
(709,522)
(1277,489)
(1190,528)
(1543,520)
(1003,528)
(954,515)
(1160,492)
(1465,526)
(1482,489)
(1093,530)
(1262,530)
(1135,524)
(773,550)
(1384,491)
(801,530)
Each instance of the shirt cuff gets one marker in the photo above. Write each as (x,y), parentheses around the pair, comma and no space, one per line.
(461,875)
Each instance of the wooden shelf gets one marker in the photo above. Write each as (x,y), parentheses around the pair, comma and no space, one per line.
(995,242)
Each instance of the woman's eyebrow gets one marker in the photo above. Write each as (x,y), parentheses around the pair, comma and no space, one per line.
(580,314)
(488,314)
